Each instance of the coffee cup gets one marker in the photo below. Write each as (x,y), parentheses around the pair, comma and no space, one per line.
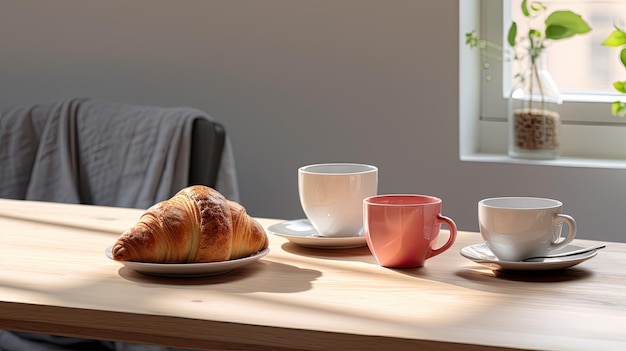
(401,230)
(331,195)
(516,228)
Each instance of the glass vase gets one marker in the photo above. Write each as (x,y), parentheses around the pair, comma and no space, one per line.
(533,117)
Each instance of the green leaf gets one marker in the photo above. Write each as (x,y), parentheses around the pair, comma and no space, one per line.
(620,86)
(535,6)
(470,39)
(565,24)
(616,38)
(538,6)
(534,34)
(558,32)
(512,34)
(618,109)
(622,57)
(525,9)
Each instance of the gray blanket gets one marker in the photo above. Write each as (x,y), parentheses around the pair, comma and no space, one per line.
(101,153)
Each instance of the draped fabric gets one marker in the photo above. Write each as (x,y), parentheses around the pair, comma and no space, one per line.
(101,153)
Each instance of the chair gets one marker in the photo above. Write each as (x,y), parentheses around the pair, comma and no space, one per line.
(104,153)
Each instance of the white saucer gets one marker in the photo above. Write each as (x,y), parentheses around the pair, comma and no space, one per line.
(302,232)
(480,253)
(187,270)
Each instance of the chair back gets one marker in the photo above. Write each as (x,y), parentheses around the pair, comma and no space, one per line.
(207,146)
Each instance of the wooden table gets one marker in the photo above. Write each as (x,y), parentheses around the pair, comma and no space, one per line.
(55,278)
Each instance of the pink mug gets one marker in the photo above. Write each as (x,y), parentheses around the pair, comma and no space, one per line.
(401,230)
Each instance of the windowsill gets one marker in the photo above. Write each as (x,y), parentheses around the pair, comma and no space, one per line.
(559,162)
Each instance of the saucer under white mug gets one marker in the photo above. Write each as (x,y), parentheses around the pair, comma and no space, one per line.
(480,253)
(303,233)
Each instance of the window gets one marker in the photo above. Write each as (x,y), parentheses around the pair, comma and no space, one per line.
(583,69)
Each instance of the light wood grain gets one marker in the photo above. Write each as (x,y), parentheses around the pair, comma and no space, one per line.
(55,278)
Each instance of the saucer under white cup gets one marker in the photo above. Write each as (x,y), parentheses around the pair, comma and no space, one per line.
(480,253)
(302,232)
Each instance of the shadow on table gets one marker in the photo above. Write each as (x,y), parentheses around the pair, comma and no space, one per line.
(260,276)
(551,276)
(361,254)
(482,274)
(481,277)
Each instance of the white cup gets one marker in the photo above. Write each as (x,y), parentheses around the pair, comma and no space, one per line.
(331,195)
(515,228)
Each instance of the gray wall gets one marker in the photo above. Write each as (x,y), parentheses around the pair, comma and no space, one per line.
(294,82)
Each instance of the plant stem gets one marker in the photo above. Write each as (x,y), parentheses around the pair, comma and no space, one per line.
(535,72)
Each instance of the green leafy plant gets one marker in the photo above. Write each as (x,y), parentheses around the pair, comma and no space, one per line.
(617,38)
(533,122)
(529,46)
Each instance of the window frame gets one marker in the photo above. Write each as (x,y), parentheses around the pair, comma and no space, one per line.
(590,135)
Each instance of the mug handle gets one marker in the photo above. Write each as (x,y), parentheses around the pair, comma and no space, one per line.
(452,228)
(571,231)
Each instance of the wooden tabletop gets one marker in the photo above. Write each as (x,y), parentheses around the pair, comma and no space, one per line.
(56,279)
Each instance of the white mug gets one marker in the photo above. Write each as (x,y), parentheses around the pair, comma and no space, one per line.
(516,228)
(331,195)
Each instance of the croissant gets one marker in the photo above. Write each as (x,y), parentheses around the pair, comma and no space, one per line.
(198,224)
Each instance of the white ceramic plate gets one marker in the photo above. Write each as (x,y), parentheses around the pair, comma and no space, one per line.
(480,253)
(186,270)
(302,232)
